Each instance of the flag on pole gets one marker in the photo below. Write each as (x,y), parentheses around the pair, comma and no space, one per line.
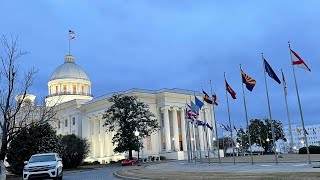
(270,71)
(71,31)
(297,61)
(250,83)
(72,38)
(298,130)
(210,127)
(194,107)
(234,127)
(198,102)
(200,123)
(284,84)
(215,101)
(306,131)
(190,114)
(241,130)
(224,127)
(230,90)
(206,97)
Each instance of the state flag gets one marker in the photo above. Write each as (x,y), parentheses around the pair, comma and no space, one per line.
(198,102)
(284,84)
(297,61)
(250,83)
(230,90)
(206,97)
(71,32)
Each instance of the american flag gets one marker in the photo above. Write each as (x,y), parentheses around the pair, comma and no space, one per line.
(72,38)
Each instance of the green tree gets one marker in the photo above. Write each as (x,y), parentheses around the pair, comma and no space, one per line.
(34,139)
(125,116)
(72,150)
(260,131)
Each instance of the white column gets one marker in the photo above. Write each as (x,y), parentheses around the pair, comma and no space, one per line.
(183,130)
(200,130)
(175,128)
(166,128)
(101,136)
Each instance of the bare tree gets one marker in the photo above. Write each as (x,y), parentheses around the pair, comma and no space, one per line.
(16,113)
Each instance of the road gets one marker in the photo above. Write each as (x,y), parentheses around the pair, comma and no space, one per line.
(102,173)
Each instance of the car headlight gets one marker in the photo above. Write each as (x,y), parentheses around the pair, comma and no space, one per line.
(26,169)
(52,167)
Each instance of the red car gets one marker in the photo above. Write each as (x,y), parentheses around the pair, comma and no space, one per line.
(129,161)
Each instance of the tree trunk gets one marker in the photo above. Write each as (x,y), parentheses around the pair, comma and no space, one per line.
(4,145)
(130,153)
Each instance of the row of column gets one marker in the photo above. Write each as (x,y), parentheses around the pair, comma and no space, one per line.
(166,124)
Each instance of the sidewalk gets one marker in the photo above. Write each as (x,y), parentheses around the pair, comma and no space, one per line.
(243,170)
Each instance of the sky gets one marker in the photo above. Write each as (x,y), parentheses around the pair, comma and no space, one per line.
(146,44)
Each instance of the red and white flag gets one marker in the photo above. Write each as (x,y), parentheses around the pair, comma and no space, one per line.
(71,32)
(297,61)
(72,38)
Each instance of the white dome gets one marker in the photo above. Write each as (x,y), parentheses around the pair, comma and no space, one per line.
(69,70)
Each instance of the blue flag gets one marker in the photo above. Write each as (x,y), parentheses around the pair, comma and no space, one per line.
(198,102)
(270,71)
(194,107)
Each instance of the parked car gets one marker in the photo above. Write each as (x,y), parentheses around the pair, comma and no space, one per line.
(129,161)
(48,166)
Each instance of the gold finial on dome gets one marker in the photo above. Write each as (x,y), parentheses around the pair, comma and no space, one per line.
(69,58)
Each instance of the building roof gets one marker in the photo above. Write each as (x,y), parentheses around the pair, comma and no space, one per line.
(69,70)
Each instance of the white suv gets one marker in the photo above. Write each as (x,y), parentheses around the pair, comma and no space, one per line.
(47,165)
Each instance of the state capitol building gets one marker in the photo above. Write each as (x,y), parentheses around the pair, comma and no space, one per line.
(79,113)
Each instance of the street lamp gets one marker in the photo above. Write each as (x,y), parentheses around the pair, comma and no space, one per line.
(268,144)
(136,133)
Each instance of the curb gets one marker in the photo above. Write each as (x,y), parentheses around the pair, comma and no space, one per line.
(115,174)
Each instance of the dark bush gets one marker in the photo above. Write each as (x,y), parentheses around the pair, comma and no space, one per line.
(95,162)
(73,150)
(113,162)
(35,139)
(312,150)
(162,158)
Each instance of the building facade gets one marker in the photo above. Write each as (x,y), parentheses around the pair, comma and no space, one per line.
(313,135)
(69,90)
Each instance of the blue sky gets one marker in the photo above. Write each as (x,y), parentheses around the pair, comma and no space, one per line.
(176,44)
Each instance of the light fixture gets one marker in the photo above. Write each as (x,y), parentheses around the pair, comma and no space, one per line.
(136,133)
(214,138)
(268,139)
(191,139)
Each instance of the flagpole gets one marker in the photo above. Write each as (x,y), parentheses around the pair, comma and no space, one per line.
(198,134)
(287,108)
(194,145)
(215,125)
(69,44)
(269,109)
(187,133)
(300,109)
(232,143)
(246,114)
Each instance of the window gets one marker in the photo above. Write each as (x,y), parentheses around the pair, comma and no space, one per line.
(82,89)
(73,132)
(59,125)
(64,88)
(73,121)
(57,90)
(66,123)
(74,89)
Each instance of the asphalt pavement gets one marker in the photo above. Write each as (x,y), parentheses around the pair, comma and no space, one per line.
(101,173)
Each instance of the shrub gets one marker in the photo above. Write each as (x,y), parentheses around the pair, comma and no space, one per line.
(95,162)
(73,150)
(35,139)
(312,150)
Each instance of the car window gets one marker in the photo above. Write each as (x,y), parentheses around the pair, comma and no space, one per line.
(42,158)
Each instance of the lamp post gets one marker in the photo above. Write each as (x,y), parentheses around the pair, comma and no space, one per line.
(268,144)
(136,133)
